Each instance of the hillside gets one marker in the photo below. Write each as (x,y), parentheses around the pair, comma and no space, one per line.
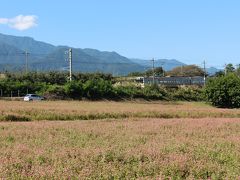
(86,62)
(167,64)
(46,57)
(27,43)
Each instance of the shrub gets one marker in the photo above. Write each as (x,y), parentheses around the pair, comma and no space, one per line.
(186,94)
(154,92)
(74,89)
(10,117)
(55,92)
(98,89)
(224,91)
(149,92)
(129,91)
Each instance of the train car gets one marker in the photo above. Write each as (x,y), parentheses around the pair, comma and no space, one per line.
(172,81)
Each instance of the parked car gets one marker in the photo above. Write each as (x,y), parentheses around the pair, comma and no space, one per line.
(33,97)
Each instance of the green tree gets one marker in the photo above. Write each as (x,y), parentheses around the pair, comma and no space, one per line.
(97,89)
(229,68)
(134,74)
(54,92)
(158,71)
(224,91)
(74,89)
(219,73)
(238,70)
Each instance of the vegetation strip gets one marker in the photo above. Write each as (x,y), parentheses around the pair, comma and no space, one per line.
(94,116)
(133,149)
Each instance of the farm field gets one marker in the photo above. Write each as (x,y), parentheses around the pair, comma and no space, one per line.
(118,140)
(88,110)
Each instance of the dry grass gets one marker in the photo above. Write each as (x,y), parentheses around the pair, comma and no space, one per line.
(84,110)
(132,147)
(146,148)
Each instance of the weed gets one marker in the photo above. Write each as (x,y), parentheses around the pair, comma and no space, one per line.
(10,117)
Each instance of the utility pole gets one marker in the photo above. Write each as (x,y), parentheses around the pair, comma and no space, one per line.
(26,61)
(225,69)
(204,76)
(70,63)
(153,70)
(162,69)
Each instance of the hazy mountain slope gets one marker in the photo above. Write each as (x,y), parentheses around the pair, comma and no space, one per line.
(45,57)
(167,64)
(108,57)
(10,54)
(27,43)
(84,62)
(212,70)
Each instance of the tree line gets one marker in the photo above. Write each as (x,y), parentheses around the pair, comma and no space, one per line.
(222,90)
(93,86)
(183,71)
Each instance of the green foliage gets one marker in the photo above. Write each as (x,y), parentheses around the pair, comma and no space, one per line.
(224,91)
(237,71)
(229,68)
(55,92)
(20,88)
(49,78)
(74,89)
(83,77)
(55,77)
(95,86)
(10,117)
(186,94)
(219,73)
(157,71)
(135,74)
(97,89)
(129,91)
(154,92)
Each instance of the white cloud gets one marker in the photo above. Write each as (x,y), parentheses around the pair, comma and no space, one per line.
(20,22)
(3,20)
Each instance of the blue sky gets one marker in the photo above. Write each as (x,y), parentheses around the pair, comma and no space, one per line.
(187,30)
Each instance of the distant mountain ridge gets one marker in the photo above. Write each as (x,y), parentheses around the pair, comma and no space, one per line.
(27,43)
(167,64)
(47,57)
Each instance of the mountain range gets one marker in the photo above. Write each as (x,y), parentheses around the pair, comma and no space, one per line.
(43,56)
(166,64)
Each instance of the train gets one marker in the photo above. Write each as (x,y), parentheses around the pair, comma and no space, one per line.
(172,81)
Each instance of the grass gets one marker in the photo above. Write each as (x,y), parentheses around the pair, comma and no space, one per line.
(129,149)
(134,140)
(84,110)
